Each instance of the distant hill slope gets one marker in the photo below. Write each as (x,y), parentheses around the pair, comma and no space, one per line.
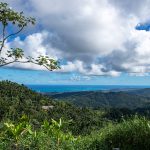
(140,92)
(104,99)
(17,100)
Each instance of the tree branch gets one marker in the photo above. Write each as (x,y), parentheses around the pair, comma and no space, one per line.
(12,34)
(3,38)
(14,61)
(41,65)
(7,63)
(18,61)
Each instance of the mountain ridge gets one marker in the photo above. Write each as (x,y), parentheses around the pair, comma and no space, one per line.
(122,99)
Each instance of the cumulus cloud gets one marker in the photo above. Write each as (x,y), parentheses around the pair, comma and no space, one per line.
(34,45)
(94,37)
(92,69)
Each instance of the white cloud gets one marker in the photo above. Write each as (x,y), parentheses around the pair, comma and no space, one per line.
(93,69)
(34,45)
(79,78)
(95,37)
(73,66)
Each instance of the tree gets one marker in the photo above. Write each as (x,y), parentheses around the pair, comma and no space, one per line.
(17,21)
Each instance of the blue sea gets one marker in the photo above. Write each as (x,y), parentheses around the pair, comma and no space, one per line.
(76,88)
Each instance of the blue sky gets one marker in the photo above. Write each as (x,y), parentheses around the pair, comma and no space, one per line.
(103,42)
(51,78)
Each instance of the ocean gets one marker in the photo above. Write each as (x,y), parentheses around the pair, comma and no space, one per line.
(76,88)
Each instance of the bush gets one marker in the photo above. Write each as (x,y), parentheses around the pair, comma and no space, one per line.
(133,134)
(22,136)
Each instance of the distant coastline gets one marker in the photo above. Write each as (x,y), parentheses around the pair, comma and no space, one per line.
(78,88)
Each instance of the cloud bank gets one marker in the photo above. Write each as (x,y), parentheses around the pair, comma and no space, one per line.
(93,37)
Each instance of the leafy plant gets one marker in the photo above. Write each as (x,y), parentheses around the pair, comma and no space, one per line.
(132,134)
(50,135)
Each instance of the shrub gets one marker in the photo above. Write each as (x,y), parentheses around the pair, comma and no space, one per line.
(133,134)
(22,136)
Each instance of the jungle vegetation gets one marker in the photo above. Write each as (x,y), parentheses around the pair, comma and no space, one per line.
(26,124)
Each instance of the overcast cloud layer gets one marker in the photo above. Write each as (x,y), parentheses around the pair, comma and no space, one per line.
(94,37)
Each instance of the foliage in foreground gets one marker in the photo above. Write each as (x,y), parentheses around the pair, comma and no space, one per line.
(132,134)
(23,136)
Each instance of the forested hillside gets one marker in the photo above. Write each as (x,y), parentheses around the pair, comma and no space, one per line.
(29,120)
(140,92)
(17,100)
(101,99)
